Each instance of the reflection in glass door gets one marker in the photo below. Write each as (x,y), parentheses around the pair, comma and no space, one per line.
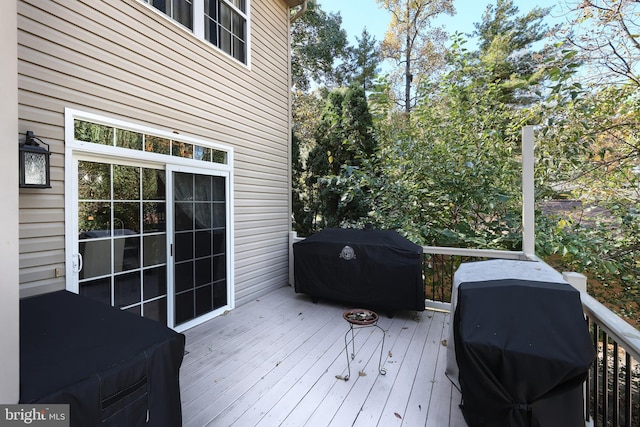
(122,237)
(200,256)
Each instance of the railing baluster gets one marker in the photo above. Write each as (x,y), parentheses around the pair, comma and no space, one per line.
(615,399)
(587,384)
(628,391)
(605,379)
(596,364)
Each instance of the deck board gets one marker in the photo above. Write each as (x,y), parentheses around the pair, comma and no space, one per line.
(275,362)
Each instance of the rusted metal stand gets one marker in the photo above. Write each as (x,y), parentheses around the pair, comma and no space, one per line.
(359,318)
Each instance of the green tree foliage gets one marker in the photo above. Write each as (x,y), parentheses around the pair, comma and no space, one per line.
(456,169)
(307,111)
(365,61)
(508,51)
(318,44)
(345,145)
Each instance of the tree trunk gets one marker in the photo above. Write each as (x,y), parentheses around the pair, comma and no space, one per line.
(408,77)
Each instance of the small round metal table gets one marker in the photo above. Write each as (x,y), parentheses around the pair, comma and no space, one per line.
(360,318)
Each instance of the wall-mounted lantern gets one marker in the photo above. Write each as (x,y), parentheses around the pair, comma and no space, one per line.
(34,163)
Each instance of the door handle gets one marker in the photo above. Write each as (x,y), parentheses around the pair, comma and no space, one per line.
(77,263)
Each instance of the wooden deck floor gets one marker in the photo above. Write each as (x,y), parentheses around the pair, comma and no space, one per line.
(274,362)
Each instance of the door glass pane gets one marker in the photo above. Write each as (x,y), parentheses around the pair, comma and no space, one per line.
(200,245)
(156,310)
(94,181)
(218,189)
(99,290)
(153,184)
(155,282)
(184,246)
(203,271)
(219,216)
(184,307)
(183,216)
(94,219)
(183,276)
(127,289)
(96,256)
(203,189)
(154,217)
(203,215)
(126,182)
(122,267)
(126,254)
(203,243)
(155,250)
(126,218)
(219,294)
(204,300)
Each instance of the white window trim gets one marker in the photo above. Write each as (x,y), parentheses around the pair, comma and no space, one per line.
(74,148)
(198,27)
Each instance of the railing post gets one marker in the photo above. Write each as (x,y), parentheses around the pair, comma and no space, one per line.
(577,280)
(528,192)
(292,238)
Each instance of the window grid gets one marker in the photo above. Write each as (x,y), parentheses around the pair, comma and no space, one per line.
(225,21)
(123,243)
(115,137)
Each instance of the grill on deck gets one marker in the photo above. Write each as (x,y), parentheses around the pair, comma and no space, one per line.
(369,268)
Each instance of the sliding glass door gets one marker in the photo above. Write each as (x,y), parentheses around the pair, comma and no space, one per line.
(153,240)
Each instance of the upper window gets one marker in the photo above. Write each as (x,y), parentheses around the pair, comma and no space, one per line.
(179,10)
(225,26)
(223,23)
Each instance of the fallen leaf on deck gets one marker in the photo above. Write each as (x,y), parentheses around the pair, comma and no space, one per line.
(390,354)
(362,374)
(340,377)
(444,342)
(397,415)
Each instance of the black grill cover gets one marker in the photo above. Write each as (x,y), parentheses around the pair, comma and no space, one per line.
(370,268)
(524,350)
(113,368)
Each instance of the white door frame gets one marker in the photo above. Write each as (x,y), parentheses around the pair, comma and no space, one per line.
(79,150)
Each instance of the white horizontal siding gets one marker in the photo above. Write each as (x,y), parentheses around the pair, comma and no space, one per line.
(122,59)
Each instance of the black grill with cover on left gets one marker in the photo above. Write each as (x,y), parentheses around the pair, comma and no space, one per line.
(368,268)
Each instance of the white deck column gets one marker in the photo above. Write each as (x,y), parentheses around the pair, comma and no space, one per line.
(577,280)
(528,192)
(9,217)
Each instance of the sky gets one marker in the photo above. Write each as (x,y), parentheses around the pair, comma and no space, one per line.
(358,14)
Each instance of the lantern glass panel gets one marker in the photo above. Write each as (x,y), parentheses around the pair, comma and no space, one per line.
(35,168)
